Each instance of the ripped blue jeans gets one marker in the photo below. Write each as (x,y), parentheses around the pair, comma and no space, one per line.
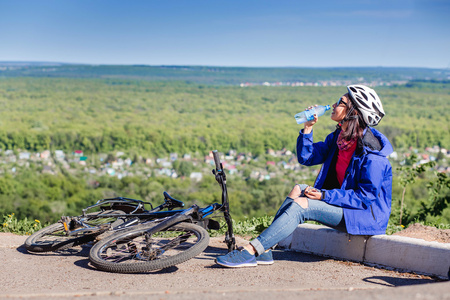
(291,214)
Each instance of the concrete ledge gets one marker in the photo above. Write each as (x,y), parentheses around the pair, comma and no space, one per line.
(322,240)
(408,254)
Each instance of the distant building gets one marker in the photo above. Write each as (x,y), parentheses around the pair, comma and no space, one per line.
(167,164)
(24,155)
(197,176)
(209,160)
(117,164)
(231,169)
(45,154)
(393,155)
(59,154)
(173,156)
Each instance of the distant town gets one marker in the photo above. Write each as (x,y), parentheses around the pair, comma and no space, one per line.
(326,83)
(275,163)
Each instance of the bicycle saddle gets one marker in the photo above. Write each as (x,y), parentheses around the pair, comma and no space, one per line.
(172,202)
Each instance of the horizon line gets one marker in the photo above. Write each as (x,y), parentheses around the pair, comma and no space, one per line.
(50,63)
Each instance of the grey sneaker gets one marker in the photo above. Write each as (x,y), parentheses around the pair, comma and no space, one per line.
(237,259)
(265,258)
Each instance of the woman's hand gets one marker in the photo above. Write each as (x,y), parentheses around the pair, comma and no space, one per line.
(309,124)
(313,193)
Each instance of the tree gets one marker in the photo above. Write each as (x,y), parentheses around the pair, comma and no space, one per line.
(439,197)
(183,168)
(408,175)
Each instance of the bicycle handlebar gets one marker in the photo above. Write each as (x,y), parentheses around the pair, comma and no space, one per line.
(217,160)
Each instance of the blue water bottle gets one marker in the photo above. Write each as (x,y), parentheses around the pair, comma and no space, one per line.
(308,115)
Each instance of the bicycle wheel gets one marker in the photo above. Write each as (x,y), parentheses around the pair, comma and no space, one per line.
(141,250)
(53,237)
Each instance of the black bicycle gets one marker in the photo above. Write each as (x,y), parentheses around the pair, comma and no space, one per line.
(96,222)
(167,241)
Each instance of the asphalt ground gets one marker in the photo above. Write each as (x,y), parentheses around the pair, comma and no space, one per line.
(69,275)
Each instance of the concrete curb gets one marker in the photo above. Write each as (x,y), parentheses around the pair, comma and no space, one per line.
(403,253)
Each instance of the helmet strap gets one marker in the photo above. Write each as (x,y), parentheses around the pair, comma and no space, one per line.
(348,116)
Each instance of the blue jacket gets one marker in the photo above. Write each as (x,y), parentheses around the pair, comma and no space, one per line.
(366,192)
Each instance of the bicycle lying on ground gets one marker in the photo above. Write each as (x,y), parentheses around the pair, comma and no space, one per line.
(104,217)
(167,242)
(136,239)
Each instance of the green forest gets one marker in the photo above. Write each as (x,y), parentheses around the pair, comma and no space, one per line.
(149,119)
(162,117)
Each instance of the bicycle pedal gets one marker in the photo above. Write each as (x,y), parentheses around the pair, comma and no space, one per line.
(132,248)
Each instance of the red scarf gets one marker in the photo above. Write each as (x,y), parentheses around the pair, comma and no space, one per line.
(343,144)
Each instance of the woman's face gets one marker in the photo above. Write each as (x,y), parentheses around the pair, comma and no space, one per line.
(340,109)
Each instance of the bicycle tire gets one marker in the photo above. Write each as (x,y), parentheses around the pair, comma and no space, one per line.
(54,238)
(130,251)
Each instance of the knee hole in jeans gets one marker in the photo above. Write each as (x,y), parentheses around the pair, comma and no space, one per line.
(295,193)
(302,201)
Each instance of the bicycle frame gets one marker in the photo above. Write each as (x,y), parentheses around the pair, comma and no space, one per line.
(132,208)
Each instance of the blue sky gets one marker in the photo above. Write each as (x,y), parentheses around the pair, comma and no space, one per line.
(329,33)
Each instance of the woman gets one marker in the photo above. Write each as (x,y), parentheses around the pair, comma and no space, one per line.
(352,192)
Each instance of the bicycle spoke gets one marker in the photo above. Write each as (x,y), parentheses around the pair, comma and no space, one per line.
(177,241)
(146,247)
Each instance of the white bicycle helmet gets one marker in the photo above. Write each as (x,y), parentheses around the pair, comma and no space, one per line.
(367,102)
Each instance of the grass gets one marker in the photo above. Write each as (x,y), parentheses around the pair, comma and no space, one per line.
(250,227)
(391,229)
(13,225)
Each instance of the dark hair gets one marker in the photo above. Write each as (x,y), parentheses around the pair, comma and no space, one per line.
(355,122)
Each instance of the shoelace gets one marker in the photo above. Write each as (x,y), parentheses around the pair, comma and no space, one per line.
(234,253)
